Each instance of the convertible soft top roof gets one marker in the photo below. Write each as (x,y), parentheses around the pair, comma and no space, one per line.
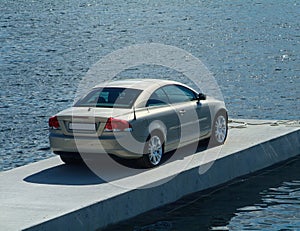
(141,84)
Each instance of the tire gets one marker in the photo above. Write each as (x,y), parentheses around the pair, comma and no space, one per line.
(153,151)
(220,128)
(71,160)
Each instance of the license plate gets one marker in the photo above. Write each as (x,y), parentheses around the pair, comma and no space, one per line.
(82,126)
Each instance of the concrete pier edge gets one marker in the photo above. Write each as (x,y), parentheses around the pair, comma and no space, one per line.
(256,150)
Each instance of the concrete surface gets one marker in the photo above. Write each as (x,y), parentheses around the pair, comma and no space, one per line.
(49,195)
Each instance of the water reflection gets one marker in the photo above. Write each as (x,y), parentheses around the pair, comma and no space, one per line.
(279,210)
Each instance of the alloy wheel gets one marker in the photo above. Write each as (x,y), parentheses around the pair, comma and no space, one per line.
(220,129)
(155,148)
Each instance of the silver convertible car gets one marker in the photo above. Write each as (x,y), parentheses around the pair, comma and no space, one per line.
(137,119)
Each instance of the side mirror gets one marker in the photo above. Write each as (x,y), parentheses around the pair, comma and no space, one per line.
(201,96)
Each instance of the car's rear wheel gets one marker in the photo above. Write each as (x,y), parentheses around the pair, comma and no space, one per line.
(153,151)
(220,128)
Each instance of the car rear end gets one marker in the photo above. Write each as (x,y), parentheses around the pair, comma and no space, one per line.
(97,123)
(91,134)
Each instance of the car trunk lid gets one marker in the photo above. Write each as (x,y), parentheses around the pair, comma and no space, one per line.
(88,121)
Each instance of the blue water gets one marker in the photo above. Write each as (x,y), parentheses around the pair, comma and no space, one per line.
(46,47)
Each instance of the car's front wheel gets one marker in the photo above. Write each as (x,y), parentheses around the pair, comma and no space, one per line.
(220,128)
(153,151)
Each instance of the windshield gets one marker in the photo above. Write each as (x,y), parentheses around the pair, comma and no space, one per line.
(109,97)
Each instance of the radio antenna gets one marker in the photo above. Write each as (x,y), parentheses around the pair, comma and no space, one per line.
(134,115)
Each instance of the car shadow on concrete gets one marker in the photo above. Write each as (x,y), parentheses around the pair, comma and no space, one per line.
(104,169)
(64,174)
(177,154)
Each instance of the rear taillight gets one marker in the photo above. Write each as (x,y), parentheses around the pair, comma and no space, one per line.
(53,122)
(117,125)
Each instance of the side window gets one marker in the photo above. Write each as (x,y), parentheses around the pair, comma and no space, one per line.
(157,98)
(178,94)
(189,93)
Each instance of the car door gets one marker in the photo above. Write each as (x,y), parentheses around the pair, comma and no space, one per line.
(191,113)
(163,116)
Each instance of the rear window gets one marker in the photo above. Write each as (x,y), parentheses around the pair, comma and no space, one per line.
(109,97)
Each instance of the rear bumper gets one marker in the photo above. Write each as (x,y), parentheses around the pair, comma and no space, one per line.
(62,144)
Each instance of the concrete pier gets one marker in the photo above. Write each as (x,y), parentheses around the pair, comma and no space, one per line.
(49,195)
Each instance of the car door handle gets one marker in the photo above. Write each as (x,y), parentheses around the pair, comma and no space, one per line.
(181,112)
